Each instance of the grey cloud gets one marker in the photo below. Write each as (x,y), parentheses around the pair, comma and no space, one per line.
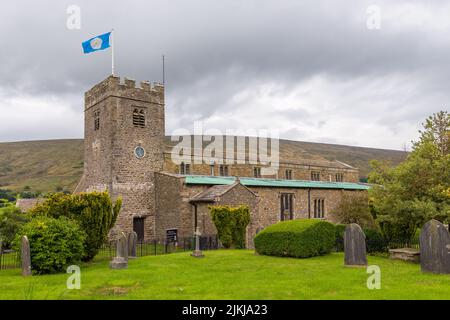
(214,50)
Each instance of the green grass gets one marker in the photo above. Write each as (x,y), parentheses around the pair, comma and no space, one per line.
(231,274)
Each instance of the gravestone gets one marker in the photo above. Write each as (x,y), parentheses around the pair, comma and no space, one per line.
(354,246)
(434,248)
(132,243)
(120,261)
(25,256)
(197,252)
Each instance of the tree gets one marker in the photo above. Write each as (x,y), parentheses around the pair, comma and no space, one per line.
(93,211)
(354,208)
(406,196)
(11,220)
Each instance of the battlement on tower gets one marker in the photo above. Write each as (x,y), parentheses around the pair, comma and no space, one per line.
(152,92)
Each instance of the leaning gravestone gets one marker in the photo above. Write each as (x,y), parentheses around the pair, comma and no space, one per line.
(434,248)
(120,261)
(25,256)
(132,242)
(354,246)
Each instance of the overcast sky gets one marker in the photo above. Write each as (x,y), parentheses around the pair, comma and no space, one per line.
(313,70)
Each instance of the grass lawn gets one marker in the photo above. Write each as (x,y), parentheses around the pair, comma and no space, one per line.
(231,274)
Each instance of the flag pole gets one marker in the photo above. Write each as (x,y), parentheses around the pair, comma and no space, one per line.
(112,52)
(163,72)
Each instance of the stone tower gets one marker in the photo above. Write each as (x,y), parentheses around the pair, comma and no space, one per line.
(123,148)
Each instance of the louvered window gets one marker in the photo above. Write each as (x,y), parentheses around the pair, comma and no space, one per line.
(139,118)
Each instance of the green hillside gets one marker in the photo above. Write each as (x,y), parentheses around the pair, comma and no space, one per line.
(52,165)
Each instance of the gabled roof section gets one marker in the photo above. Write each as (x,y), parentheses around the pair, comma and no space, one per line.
(210,194)
(260,182)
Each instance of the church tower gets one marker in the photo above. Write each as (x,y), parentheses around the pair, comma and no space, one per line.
(123,148)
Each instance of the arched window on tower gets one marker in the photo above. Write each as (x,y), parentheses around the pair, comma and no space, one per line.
(139,117)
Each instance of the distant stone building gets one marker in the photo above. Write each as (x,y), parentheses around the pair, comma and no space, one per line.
(25,205)
(127,154)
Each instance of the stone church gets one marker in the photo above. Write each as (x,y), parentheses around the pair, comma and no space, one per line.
(127,153)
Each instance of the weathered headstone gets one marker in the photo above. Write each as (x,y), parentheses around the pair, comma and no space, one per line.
(434,248)
(120,261)
(197,252)
(25,256)
(354,246)
(132,243)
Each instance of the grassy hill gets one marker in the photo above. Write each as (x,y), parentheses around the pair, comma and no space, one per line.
(55,165)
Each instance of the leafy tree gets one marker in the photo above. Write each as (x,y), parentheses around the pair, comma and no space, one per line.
(354,208)
(11,220)
(418,189)
(54,243)
(94,211)
(231,224)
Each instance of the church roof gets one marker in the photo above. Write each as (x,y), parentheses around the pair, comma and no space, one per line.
(290,152)
(210,194)
(262,182)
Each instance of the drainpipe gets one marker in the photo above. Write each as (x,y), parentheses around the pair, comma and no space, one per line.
(309,203)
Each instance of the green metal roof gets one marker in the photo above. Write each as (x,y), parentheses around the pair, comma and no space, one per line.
(259,182)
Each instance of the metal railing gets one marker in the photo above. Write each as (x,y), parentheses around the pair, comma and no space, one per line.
(159,247)
(9,259)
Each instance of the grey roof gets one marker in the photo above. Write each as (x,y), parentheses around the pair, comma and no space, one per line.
(212,193)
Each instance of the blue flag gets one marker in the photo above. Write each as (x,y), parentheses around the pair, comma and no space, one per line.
(101,42)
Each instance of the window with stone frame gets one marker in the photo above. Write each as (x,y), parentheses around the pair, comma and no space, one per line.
(319,208)
(223,170)
(339,177)
(96,120)
(257,172)
(287,206)
(288,174)
(315,175)
(139,117)
(185,168)
(211,169)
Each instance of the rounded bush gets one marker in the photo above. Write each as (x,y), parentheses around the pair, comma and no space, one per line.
(54,243)
(296,238)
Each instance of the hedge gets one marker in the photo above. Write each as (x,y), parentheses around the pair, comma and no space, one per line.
(296,238)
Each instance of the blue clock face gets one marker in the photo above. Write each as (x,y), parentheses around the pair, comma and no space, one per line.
(139,152)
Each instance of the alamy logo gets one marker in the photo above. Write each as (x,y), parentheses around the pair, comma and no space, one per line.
(212,146)
(74,19)
(374,281)
(74,280)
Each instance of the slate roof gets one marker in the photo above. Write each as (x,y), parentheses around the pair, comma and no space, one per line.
(291,152)
(210,194)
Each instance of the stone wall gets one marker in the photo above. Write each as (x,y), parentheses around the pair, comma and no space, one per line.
(299,172)
(110,162)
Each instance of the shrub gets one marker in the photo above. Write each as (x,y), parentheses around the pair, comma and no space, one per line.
(375,242)
(94,212)
(339,233)
(11,219)
(54,243)
(296,238)
(231,223)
